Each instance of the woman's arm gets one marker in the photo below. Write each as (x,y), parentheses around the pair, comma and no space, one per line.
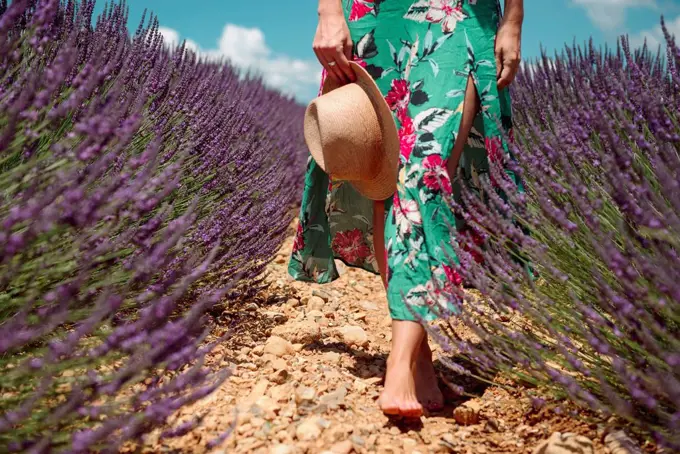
(332,42)
(508,42)
(514,12)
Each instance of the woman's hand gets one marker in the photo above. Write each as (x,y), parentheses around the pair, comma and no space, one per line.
(508,42)
(332,42)
(508,55)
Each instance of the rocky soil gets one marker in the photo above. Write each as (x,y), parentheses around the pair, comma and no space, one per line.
(307,373)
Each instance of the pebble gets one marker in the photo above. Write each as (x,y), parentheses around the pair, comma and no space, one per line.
(409,444)
(282,449)
(356,439)
(353,335)
(332,357)
(315,315)
(467,414)
(342,447)
(304,331)
(281,393)
(315,303)
(325,296)
(334,399)
(304,395)
(279,377)
(368,306)
(308,430)
(278,346)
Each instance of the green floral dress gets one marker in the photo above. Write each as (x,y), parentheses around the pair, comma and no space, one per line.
(420,54)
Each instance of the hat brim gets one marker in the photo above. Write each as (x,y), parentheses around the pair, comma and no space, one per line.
(384,183)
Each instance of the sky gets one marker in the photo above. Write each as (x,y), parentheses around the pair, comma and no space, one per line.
(274,37)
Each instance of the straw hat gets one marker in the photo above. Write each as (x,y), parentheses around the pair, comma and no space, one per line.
(352,136)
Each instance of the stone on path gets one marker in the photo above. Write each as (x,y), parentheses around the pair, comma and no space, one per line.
(315,303)
(299,332)
(282,449)
(334,399)
(467,414)
(278,346)
(353,335)
(565,443)
(342,447)
(279,377)
(368,306)
(304,395)
(308,430)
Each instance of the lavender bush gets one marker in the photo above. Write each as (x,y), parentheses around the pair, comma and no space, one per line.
(139,186)
(588,304)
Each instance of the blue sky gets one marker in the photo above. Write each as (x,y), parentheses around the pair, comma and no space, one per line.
(274,36)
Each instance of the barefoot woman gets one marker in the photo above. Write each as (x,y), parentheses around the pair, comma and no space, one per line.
(444,67)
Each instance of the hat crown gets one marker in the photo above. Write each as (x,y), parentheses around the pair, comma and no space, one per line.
(352,136)
(348,134)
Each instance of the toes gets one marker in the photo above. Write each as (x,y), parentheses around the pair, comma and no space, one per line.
(412,410)
(389,408)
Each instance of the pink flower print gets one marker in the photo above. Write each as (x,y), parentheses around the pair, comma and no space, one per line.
(399,95)
(452,275)
(446,12)
(436,176)
(361,62)
(360,8)
(299,242)
(350,246)
(406,214)
(407,135)
(494,148)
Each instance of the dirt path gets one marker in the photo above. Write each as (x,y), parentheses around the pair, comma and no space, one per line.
(309,384)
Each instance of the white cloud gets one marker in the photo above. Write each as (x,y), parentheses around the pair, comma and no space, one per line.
(247,49)
(171,38)
(654,36)
(610,15)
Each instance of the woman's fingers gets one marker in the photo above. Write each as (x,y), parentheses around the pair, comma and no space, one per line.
(343,65)
(331,66)
(337,68)
(347,54)
(333,46)
(507,64)
(508,72)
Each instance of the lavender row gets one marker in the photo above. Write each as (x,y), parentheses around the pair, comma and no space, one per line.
(578,276)
(139,187)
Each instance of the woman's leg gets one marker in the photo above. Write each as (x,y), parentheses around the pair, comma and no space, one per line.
(470,110)
(399,396)
(427,386)
(379,238)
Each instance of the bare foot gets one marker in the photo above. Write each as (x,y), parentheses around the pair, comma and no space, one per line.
(399,395)
(427,387)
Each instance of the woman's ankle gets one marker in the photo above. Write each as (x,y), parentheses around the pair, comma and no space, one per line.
(400,360)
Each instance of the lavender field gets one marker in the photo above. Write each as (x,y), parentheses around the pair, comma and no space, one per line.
(139,188)
(143,189)
(578,277)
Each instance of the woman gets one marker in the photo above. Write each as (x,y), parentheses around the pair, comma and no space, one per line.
(444,67)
